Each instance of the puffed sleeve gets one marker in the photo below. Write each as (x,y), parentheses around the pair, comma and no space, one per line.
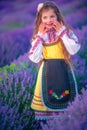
(35,53)
(70,42)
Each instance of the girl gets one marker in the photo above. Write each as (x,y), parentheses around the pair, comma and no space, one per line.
(52,46)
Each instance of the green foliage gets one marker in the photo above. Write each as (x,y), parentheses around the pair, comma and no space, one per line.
(9,68)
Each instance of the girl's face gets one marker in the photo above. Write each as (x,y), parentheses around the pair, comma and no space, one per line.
(48,16)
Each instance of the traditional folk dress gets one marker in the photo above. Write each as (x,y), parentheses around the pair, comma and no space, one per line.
(56,84)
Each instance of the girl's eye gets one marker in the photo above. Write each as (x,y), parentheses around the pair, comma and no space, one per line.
(52,16)
(44,17)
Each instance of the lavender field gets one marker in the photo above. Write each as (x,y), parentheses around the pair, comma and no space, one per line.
(18,74)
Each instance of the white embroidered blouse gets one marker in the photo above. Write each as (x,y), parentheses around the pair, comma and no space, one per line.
(70,42)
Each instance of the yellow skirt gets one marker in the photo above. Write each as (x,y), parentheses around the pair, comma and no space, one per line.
(37,103)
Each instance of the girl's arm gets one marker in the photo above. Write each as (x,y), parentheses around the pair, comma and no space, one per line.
(70,40)
(35,53)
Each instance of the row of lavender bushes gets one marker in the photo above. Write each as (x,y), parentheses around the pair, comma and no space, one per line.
(16,90)
(17,80)
(80,60)
(13,44)
(15,30)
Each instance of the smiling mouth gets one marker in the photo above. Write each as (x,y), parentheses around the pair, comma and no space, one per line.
(49,24)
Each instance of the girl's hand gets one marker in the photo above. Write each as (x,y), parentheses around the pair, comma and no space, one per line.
(57,25)
(43,28)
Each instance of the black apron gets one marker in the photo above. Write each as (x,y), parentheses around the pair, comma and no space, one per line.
(58,86)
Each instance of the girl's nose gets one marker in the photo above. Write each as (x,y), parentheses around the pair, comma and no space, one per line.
(49,20)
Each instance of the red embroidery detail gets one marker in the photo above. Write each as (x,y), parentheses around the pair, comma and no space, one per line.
(63,94)
(37,42)
(59,97)
(72,38)
(35,46)
(63,32)
(37,104)
(41,38)
(51,91)
(51,35)
(37,96)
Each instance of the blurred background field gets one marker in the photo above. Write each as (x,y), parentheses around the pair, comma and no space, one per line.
(18,73)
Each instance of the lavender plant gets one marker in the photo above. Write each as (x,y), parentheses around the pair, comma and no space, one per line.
(18,42)
(16,91)
(80,60)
